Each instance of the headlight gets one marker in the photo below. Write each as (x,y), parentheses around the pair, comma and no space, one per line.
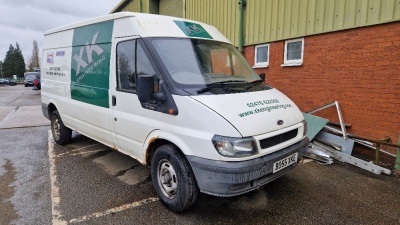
(305,127)
(235,147)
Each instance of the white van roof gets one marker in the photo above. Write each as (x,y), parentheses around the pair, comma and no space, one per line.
(152,25)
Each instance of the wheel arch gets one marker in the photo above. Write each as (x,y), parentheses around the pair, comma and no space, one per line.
(158,138)
(51,108)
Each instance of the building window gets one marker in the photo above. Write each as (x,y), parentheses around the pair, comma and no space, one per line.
(261,56)
(294,51)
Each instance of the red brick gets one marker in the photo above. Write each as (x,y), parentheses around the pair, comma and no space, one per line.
(362,72)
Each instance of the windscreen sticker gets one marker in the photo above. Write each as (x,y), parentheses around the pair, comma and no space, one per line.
(192,29)
(267,105)
(90,63)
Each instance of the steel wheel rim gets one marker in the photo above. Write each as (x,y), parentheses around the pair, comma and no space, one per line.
(167,179)
(56,128)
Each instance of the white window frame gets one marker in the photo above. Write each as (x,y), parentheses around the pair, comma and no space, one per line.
(295,62)
(260,64)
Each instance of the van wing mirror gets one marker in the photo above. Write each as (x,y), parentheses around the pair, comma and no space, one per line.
(148,89)
(145,87)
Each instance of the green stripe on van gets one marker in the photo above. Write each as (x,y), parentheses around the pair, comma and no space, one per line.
(90,63)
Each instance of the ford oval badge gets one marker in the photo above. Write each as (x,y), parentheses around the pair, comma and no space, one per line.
(280,122)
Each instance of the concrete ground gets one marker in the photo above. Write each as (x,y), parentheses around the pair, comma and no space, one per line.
(85,182)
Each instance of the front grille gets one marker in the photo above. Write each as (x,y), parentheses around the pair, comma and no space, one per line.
(271,141)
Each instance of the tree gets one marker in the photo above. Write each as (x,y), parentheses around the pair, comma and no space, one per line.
(34,60)
(8,61)
(19,61)
(14,62)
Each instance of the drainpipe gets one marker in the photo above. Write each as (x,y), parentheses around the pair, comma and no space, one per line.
(397,165)
(140,6)
(242,5)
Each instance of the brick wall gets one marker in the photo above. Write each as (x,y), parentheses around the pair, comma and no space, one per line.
(360,68)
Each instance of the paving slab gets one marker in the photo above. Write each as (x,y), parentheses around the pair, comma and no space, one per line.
(5,111)
(23,116)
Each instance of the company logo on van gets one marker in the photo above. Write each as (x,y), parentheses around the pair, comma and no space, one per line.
(192,29)
(50,57)
(60,53)
(90,63)
(90,48)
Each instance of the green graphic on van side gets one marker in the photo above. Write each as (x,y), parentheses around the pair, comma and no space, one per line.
(192,29)
(90,63)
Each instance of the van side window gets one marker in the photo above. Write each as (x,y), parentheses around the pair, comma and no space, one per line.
(132,61)
(143,65)
(126,69)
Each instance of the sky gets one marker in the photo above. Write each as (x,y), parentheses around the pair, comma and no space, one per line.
(23,21)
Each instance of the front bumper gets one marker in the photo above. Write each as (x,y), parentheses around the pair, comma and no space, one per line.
(234,178)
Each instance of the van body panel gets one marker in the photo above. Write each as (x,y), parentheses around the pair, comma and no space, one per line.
(132,124)
(261,108)
(195,125)
(126,27)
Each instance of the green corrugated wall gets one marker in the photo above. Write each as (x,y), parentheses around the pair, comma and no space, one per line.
(172,8)
(148,6)
(131,6)
(222,14)
(272,20)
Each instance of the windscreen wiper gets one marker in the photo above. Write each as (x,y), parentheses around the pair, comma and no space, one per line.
(254,83)
(218,85)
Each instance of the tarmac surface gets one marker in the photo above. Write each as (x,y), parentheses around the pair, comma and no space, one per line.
(85,182)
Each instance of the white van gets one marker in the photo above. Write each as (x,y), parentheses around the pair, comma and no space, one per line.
(175,95)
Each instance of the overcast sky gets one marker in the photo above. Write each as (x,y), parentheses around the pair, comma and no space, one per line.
(23,21)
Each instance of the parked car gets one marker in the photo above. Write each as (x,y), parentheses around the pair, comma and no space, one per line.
(30,77)
(36,83)
(9,81)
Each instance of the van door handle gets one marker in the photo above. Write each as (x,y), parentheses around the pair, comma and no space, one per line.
(114,100)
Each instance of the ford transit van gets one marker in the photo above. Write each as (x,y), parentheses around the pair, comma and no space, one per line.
(177,96)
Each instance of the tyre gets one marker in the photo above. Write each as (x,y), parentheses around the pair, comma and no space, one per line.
(26,85)
(61,134)
(173,179)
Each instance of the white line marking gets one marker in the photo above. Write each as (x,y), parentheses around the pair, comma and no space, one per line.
(79,153)
(55,191)
(114,210)
(91,151)
(76,150)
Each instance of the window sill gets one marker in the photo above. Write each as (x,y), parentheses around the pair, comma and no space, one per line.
(291,64)
(260,66)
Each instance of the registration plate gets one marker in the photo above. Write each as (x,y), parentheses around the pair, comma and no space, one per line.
(285,162)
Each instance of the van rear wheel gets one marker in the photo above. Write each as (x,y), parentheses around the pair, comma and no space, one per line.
(61,134)
(173,179)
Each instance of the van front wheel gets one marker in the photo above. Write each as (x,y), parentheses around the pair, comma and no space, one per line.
(61,134)
(173,179)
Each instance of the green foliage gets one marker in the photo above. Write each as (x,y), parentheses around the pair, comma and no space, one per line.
(14,62)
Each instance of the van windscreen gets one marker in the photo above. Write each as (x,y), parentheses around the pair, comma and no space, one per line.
(200,63)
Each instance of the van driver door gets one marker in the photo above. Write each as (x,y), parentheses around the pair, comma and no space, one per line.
(131,122)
